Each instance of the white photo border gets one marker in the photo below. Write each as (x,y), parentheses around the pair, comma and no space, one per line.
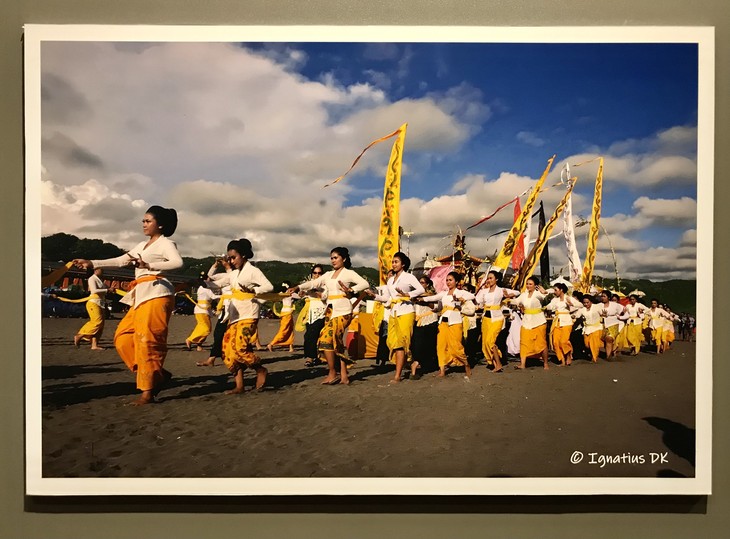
(36,484)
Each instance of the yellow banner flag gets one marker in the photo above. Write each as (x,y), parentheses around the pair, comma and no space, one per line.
(528,266)
(585,281)
(505,255)
(390,220)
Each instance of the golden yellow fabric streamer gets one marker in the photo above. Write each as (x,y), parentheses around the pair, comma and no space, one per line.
(505,255)
(55,275)
(301,322)
(390,219)
(82,300)
(587,275)
(373,143)
(528,266)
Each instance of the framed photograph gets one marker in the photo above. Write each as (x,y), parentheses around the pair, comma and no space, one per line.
(286,137)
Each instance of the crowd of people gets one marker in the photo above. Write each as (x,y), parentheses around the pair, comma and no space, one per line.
(419,329)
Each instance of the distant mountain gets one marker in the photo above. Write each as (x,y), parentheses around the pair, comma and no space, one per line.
(679,294)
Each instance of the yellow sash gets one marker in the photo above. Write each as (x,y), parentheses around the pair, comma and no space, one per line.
(82,300)
(533,311)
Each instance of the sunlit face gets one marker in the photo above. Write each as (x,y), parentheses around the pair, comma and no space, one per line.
(397,264)
(317,272)
(424,283)
(235,259)
(530,285)
(491,280)
(587,303)
(450,282)
(633,301)
(604,298)
(558,292)
(654,304)
(150,227)
(336,260)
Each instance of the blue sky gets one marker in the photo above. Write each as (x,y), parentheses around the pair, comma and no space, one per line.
(241,137)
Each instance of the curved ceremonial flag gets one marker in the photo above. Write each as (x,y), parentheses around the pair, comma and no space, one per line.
(574,271)
(488,217)
(55,275)
(389,221)
(518,281)
(593,232)
(518,257)
(502,260)
(373,143)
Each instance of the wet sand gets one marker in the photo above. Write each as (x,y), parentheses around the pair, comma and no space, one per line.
(510,424)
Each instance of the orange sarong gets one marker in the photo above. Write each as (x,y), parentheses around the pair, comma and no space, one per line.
(560,336)
(285,335)
(141,340)
(593,342)
(449,345)
(490,332)
(201,330)
(532,341)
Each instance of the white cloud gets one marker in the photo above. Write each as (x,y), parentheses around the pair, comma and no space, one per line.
(530,138)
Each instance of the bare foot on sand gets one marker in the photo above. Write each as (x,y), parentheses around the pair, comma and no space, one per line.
(97,348)
(210,362)
(269,348)
(235,391)
(261,378)
(330,381)
(77,340)
(147,397)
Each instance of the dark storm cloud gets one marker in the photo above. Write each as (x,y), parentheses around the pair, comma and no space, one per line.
(68,152)
(113,210)
(62,103)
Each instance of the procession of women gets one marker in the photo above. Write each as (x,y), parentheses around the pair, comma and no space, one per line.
(420,330)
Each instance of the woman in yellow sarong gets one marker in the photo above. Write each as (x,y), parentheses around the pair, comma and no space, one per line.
(202,312)
(489,297)
(245,281)
(340,284)
(562,306)
(399,291)
(654,323)
(631,334)
(592,326)
(91,330)
(533,340)
(141,336)
(285,335)
(450,338)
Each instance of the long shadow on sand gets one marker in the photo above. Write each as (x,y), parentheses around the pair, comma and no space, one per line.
(59,395)
(59,372)
(679,439)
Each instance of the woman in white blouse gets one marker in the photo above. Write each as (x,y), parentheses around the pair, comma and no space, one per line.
(533,340)
(489,297)
(592,327)
(141,336)
(610,311)
(92,330)
(340,284)
(245,280)
(562,306)
(449,343)
(399,292)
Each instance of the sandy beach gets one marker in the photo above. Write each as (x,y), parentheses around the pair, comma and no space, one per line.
(618,414)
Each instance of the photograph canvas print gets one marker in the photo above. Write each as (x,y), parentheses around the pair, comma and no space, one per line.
(368,260)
